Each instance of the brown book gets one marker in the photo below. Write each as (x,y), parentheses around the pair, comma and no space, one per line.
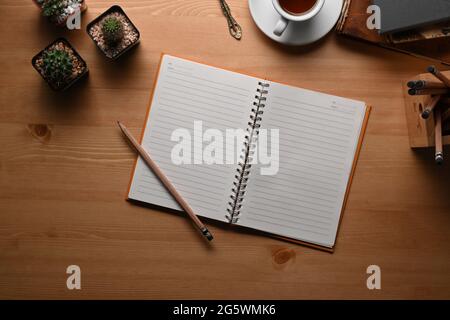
(428,42)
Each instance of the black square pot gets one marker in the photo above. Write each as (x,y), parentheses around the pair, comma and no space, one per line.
(97,20)
(75,53)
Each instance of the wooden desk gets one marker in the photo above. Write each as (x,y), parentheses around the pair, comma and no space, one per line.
(64,169)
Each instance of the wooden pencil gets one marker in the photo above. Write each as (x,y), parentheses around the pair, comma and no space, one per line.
(166,182)
(425,92)
(439,155)
(424,84)
(430,106)
(435,72)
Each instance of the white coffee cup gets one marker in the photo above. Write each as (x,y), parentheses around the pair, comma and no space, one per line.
(286,17)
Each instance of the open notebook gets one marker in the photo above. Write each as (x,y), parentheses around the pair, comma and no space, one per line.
(319,139)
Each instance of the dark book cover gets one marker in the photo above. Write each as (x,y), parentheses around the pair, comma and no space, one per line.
(400,15)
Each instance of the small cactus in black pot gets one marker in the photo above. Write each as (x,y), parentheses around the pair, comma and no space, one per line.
(57,66)
(113,32)
(112,29)
(60,64)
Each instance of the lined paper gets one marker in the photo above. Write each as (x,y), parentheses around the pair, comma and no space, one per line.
(318,134)
(186,92)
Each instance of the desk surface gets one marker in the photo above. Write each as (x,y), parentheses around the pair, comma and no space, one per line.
(64,170)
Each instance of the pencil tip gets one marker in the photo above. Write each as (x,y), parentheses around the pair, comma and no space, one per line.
(207,234)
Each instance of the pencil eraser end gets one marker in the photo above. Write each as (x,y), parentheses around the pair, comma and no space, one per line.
(439,159)
(411,84)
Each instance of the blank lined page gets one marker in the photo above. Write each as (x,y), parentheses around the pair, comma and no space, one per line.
(187,92)
(318,137)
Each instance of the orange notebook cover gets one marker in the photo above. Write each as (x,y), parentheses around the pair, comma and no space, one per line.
(302,200)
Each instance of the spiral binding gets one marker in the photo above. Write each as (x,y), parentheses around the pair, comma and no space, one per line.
(248,150)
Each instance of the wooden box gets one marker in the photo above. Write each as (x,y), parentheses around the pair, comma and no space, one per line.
(421,131)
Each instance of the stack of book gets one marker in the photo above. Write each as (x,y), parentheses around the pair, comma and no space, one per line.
(416,27)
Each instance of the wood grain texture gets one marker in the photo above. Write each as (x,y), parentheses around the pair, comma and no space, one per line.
(64,169)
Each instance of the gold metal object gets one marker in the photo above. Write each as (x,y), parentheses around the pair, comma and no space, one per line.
(233,26)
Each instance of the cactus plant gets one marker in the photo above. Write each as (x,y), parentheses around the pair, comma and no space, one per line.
(113,32)
(57,66)
(60,65)
(112,29)
(52,8)
(58,11)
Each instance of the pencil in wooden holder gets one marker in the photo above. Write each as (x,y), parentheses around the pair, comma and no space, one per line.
(439,155)
(426,92)
(435,72)
(423,84)
(430,106)
(412,84)
(166,182)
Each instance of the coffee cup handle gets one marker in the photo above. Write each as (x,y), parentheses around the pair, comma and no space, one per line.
(281,26)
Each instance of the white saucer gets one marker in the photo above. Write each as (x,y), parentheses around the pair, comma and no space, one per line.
(297,33)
